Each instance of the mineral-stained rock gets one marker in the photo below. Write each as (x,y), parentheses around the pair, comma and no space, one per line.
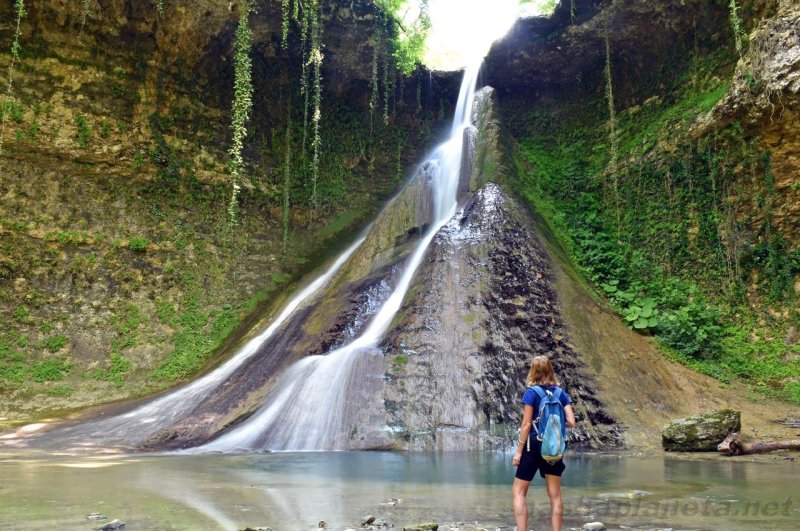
(701,433)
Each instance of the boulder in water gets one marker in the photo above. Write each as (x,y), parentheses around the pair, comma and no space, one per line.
(701,433)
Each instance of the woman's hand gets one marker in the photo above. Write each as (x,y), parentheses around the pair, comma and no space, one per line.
(516,458)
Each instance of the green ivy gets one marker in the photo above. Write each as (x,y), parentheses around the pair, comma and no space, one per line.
(16,48)
(242,104)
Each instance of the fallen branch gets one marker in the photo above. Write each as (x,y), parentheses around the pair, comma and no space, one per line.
(733,445)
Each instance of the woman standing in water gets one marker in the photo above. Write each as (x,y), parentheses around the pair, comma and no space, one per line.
(528,458)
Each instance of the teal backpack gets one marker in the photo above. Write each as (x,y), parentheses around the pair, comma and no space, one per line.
(550,424)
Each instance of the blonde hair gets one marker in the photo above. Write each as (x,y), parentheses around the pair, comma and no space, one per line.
(541,372)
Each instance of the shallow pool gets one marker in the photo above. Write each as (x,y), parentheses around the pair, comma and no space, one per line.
(294,491)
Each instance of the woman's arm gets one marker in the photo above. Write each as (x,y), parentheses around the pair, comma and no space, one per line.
(524,431)
(570,415)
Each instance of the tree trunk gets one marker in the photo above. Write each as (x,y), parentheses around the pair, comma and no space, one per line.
(733,445)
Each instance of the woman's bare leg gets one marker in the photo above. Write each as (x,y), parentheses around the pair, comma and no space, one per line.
(519,491)
(556,504)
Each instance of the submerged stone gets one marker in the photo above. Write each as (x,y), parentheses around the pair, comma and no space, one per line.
(422,527)
(700,433)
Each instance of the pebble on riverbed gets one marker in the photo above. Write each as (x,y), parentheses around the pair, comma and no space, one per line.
(431,526)
(594,526)
(96,516)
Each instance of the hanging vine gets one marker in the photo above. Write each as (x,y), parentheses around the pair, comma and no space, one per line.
(287,173)
(613,137)
(315,58)
(736,26)
(242,104)
(19,7)
(373,82)
(419,95)
(285,14)
(385,59)
(159,6)
(305,28)
(572,11)
(86,10)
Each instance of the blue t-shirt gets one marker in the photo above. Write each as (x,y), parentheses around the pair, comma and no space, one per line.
(530,398)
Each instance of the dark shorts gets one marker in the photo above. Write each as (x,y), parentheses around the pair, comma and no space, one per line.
(532,461)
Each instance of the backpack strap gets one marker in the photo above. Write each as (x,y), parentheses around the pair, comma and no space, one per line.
(557,393)
(541,394)
(540,391)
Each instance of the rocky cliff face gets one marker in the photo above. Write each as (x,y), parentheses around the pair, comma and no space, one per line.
(765,99)
(483,306)
(558,62)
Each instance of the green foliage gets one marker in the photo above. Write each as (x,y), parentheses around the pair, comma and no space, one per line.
(138,244)
(84,130)
(200,333)
(52,370)
(126,327)
(138,160)
(61,390)
(669,252)
(114,372)
(21,314)
(400,361)
(13,369)
(14,110)
(70,237)
(407,40)
(55,343)
(546,7)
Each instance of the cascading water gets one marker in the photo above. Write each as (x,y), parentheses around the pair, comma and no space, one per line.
(130,429)
(308,409)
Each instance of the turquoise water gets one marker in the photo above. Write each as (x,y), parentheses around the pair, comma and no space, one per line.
(294,491)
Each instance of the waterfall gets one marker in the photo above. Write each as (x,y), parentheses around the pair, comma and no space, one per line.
(135,426)
(307,408)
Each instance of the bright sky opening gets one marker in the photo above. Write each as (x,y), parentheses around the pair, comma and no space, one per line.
(463,29)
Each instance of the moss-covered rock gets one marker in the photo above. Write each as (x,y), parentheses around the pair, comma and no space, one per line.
(700,433)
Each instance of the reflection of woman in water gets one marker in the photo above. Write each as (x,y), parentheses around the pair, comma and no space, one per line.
(528,458)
